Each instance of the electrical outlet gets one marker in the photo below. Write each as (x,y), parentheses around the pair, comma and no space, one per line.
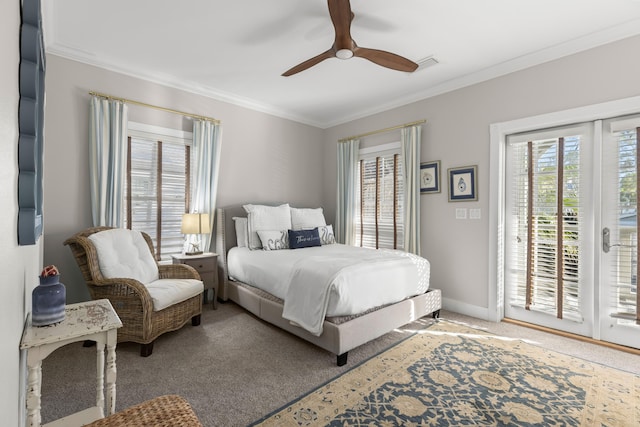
(461,213)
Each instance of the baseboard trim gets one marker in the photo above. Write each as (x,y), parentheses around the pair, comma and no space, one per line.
(573,336)
(464,308)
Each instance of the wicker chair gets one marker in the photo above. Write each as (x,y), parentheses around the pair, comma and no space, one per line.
(130,298)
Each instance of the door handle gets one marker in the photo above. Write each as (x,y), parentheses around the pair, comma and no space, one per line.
(606,241)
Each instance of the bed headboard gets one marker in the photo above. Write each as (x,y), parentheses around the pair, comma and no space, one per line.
(225,239)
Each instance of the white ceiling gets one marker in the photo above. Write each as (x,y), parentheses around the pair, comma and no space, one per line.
(236,50)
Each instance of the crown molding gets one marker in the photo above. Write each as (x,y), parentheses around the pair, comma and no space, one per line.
(593,40)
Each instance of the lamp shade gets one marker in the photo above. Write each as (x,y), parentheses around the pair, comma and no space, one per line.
(195,223)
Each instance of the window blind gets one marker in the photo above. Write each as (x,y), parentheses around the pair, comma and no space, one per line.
(545,221)
(378,222)
(623,293)
(157,189)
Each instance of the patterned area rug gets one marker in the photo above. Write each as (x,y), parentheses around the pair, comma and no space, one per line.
(451,375)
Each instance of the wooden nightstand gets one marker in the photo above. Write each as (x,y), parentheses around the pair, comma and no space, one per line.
(206,264)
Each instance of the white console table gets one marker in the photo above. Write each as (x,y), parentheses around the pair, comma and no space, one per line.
(87,321)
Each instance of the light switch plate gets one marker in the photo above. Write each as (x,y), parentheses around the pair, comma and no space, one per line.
(474,213)
(461,213)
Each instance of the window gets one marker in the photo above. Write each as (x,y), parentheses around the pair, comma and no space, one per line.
(157,185)
(378,222)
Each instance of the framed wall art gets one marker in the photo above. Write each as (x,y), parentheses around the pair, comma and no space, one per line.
(430,177)
(463,184)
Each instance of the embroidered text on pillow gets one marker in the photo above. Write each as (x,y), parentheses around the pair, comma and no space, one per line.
(304,238)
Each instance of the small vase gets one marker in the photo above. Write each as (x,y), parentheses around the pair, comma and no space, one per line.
(48,300)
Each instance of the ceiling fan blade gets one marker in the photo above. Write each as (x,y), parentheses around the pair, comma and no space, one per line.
(310,62)
(386,59)
(341,16)
(344,47)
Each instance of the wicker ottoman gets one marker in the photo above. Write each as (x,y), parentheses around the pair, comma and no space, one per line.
(163,411)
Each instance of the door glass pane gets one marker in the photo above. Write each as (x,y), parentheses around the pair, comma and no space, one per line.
(624,289)
(544,223)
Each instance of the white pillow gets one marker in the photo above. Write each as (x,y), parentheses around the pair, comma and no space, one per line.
(307,219)
(326,234)
(242,232)
(274,240)
(266,218)
(124,253)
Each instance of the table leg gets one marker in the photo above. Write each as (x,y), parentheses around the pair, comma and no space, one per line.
(100,376)
(111,379)
(34,382)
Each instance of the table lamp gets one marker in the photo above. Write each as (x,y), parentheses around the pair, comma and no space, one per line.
(195,223)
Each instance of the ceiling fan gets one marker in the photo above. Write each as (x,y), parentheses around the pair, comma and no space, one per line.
(344,47)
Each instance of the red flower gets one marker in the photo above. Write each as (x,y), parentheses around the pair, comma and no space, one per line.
(49,270)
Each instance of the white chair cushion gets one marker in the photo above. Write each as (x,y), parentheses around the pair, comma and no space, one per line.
(124,253)
(167,292)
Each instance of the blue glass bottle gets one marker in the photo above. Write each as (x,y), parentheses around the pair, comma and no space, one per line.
(48,300)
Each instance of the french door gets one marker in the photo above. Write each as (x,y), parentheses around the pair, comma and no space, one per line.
(571,229)
(619,315)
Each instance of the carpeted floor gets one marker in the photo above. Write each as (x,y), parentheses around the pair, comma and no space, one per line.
(454,375)
(234,369)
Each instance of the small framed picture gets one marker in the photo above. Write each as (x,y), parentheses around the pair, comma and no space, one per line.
(430,177)
(463,185)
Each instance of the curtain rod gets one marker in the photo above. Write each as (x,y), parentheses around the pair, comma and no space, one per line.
(419,122)
(168,110)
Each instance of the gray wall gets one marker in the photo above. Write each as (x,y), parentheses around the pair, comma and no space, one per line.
(264,158)
(457,134)
(267,158)
(20,265)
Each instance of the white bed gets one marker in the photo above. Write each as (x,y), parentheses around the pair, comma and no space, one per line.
(386,289)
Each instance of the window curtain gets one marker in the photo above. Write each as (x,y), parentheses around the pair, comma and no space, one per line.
(411,160)
(207,138)
(107,160)
(346,203)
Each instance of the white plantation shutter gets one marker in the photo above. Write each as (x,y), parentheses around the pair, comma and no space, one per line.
(378,222)
(157,186)
(141,187)
(623,298)
(545,221)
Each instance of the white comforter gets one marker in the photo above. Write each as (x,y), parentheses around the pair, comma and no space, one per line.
(330,280)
